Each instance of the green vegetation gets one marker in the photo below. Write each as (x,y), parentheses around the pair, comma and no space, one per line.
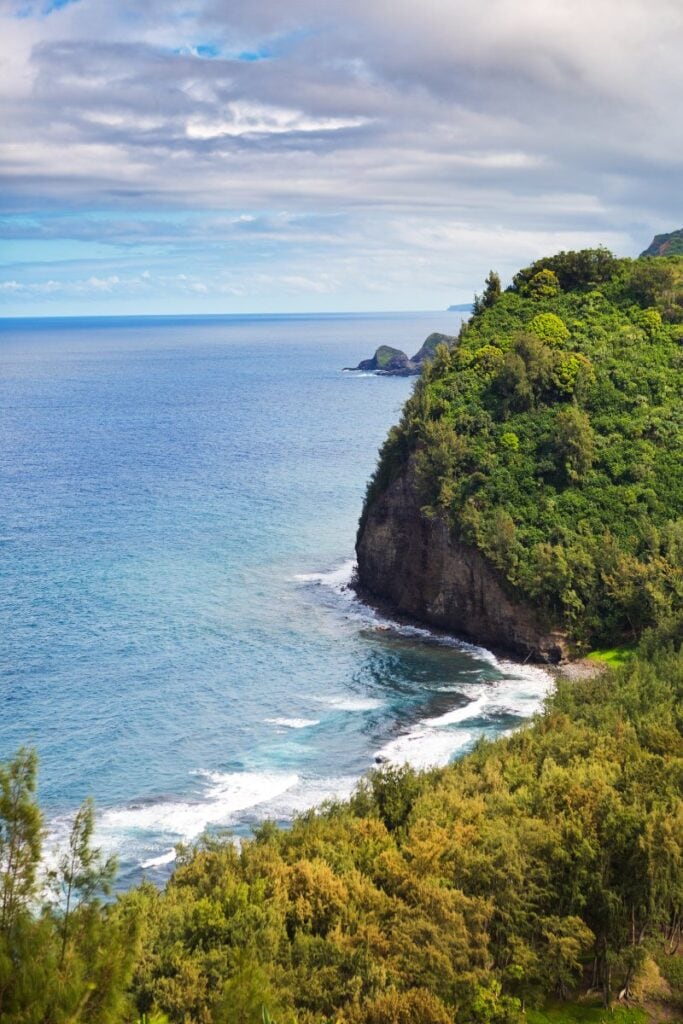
(385,354)
(612,656)
(535,868)
(550,438)
(579,1013)
(666,245)
(538,879)
(64,955)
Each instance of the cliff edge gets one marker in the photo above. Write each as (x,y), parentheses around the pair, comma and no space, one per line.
(414,562)
(670,244)
(531,496)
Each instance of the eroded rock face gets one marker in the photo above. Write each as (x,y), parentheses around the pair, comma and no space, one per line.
(413,562)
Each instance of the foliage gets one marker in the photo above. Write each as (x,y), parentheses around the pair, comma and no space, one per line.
(492,291)
(535,866)
(558,416)
(670,244)
(65,959)
(615,657)
(582,1013)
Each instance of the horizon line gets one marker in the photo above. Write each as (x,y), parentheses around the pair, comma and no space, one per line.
(457,308)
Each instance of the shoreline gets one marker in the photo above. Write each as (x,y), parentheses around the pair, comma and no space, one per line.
(385,608)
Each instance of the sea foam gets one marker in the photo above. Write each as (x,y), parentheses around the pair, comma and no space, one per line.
(424,747)
(226,794)
(294,723)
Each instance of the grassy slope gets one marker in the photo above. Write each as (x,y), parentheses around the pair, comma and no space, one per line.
(582,1013)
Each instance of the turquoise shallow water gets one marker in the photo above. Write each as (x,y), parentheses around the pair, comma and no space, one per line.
(178,505)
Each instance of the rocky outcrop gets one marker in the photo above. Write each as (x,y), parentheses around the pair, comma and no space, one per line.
(413,562)
(392,362)
(430,344)
(387,361)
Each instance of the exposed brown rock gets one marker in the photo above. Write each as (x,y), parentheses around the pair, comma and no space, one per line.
(413,561)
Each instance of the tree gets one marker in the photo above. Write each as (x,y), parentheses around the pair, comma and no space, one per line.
(492,292)
(20,847)
(81,876)
(574,443)
(543,285)
(20,837)
(550,328)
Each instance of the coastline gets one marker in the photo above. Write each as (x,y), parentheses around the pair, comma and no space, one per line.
(574,669)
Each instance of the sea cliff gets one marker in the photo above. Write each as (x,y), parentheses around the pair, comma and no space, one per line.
(413,561)
(530,496)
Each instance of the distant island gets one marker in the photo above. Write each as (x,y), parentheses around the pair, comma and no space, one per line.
(462,307)
(392,362)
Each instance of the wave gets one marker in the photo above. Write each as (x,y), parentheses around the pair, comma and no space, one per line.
(518,690)
(350,703)
(161,861)
(473,709)
(433,742)
(141,832)
(424,747)
(294,723)
(309,793)
(361,374)
(340,580)
(226,794)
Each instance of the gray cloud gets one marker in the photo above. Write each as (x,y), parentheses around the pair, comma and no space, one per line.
(473,132)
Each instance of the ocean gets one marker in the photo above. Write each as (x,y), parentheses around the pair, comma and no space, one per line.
(178,504)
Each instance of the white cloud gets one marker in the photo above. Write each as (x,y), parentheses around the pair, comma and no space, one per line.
(259,119)
(103,284)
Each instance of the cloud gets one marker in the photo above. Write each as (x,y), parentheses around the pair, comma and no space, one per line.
(346,132)
(252,119)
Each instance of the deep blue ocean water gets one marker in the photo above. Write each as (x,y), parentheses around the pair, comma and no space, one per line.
(178,505)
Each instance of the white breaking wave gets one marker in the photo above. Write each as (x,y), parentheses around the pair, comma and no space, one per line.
(294,723)
(144,831)
(339,578)
(520,690)
(160,861)
(344,703)
(310,793)
(473,709)
(434,741)
(227,794)
(424,747)
(137,829)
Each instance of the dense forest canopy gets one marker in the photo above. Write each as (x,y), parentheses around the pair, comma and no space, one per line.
(550,438)
(537,866)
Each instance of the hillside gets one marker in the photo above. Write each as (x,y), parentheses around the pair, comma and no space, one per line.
(542,867)
(670,244)
(532,493)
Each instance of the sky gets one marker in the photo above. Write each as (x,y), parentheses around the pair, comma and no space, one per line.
(235,156)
